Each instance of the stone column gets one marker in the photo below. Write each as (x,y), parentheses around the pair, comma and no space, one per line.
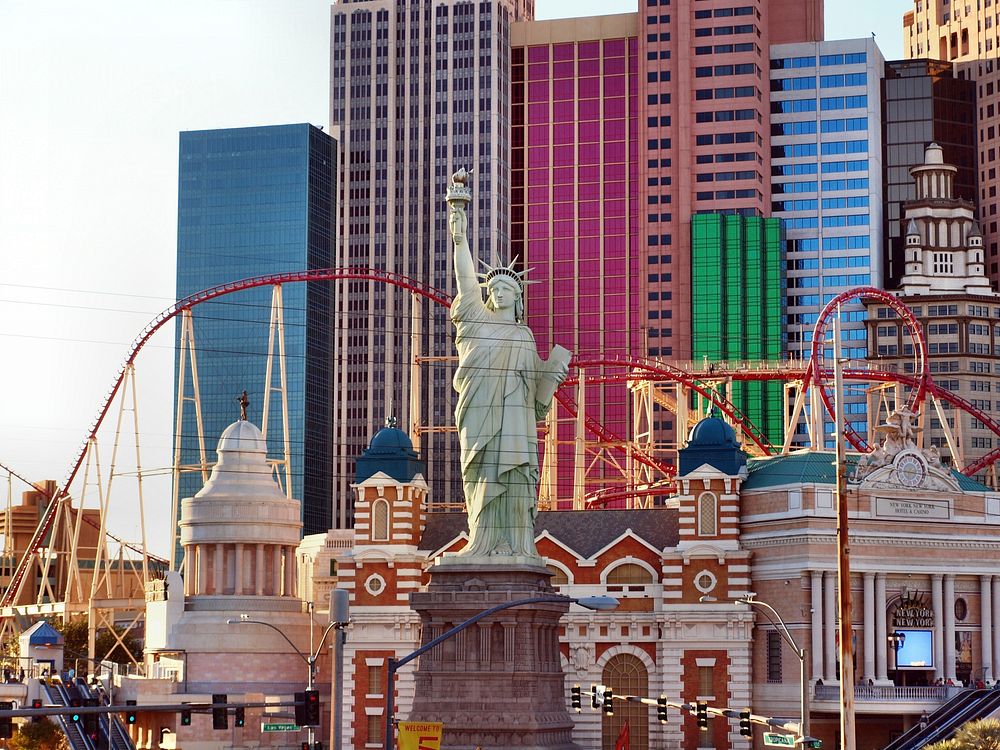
(986,618)
(238,570)
(201,557)
(276,569)
(830,626)
(259,570)
(949,626)
(219,585)
(996,626)
(881,632)
(816,623)
(937,604)
(868,627)
(289,571)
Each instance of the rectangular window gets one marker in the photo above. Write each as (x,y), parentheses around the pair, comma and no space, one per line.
(375,730)
(376,682)
(706,686)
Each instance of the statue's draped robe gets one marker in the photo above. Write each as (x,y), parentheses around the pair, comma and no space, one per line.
(497,418)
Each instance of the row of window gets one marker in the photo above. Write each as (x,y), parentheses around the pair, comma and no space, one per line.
(809,127)
(787,63)
(810,186)
(808,83)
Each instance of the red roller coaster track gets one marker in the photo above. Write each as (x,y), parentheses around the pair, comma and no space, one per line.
(636,368)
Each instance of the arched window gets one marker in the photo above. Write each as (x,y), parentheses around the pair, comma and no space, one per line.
(559,577)
(625,674)
(628,577)
(380,521)
(708,515)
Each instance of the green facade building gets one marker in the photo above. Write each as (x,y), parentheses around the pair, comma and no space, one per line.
(738,301)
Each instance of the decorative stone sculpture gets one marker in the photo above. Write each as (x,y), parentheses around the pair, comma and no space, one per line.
(504,389)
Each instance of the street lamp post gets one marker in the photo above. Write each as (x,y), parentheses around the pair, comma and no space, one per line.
(896,639)
(313,656)
(771,614)
(590,602)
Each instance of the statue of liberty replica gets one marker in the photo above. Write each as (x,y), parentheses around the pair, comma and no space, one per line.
(504,390)
(499,683)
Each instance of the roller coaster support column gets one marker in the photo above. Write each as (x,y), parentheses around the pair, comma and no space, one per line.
(277,330)
(844,560)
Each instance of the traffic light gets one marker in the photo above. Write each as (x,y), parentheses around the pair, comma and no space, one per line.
(220,714)
(317,746)
(574,697)
(609,702)
(661,709)
(130,716)
(185,717)
(240,716)
(301,717)
(595,698)
(312,708)
(75,715)
(305,745)
(813,743)
(746,730)
(6,723)
(36,703)
(702,713)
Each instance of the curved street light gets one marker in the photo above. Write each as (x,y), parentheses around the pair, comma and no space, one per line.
(771,614)
(598,603)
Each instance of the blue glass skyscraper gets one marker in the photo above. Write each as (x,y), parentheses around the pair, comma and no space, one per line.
(254,201)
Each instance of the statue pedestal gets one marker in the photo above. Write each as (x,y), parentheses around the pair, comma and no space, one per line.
(499,683)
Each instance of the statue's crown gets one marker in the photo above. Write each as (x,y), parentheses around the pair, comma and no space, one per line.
(508,271)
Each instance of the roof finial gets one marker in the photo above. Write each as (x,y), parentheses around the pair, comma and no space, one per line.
(244,403)
(390,421)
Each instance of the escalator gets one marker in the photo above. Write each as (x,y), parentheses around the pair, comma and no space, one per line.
(56,695)
(945,721)
(112,734)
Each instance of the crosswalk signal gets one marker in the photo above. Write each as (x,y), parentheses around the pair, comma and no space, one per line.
(595,698)
(746,730)
(220,714)
(90,720)
(305,746)
(574,698)
(312,708)
(6,723)
(300,713)
(609,702)
(661,709)
(130,716)
(185,717)
(702,714)
(317,746)
(240,716)
(36,703)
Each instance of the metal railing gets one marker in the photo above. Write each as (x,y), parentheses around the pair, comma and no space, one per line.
(890,693)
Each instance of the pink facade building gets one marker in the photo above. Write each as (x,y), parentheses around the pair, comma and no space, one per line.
(623,127)
(574,196)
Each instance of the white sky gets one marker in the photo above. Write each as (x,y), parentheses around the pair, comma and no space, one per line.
(92,97)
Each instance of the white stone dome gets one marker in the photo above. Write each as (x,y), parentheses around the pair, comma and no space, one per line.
(244,437)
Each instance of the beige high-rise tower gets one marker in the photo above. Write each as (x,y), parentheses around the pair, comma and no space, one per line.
(967,33)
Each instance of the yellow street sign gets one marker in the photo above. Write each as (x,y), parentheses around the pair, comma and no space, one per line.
(420,735)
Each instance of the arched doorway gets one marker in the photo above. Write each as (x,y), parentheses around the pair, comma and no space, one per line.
(626,675)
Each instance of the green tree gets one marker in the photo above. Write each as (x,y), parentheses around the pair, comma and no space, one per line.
(106,646)
(38,735)
(983,734)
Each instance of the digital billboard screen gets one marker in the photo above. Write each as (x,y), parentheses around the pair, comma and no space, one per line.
(917,651)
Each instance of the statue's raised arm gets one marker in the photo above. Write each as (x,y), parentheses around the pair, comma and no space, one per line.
(458,222)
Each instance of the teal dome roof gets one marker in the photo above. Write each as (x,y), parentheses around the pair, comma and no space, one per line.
(390,441)
(390,452)
(712,432)
(712,441)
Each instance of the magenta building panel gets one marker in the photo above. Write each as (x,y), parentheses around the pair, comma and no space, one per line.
(574,212)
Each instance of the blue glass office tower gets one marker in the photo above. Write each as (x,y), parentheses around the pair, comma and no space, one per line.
(253,201)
